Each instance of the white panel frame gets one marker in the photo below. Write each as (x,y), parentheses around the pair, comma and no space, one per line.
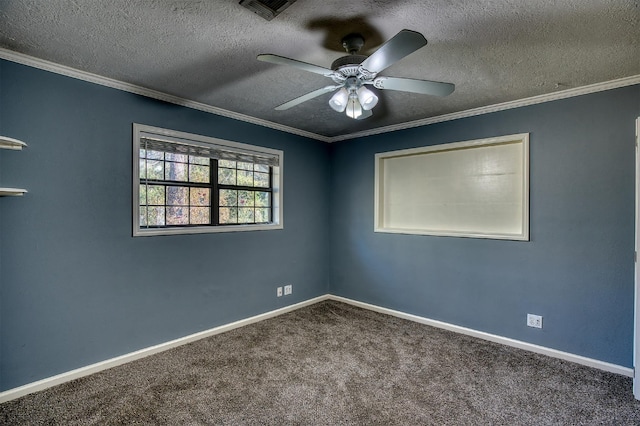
(636,296)
(380,158)
(141,130)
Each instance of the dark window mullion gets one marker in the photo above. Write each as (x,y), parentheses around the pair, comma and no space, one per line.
(271,194)
(212,186)
(245,188)
(176,183)
(215,196)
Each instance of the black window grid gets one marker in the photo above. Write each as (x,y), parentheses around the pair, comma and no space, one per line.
(214,199)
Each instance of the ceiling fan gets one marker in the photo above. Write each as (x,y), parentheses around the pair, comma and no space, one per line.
(353,72)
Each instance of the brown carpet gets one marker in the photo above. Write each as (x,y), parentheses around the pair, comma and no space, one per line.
(334,364)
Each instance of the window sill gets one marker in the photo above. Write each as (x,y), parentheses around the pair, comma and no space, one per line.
(204,230)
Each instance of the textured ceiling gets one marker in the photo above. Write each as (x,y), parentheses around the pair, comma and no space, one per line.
(494,51)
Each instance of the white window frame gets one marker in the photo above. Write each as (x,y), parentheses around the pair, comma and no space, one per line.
(143,131)
(382,224)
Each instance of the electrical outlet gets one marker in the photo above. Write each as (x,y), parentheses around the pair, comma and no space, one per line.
(288,289)
(534,320)
(279,291)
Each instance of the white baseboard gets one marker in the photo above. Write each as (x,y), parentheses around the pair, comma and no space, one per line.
(590,362)
(123,359)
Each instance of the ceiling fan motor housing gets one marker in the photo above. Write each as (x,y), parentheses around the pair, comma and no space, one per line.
(348,60)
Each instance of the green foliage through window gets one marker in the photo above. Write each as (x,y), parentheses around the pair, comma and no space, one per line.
(189,190)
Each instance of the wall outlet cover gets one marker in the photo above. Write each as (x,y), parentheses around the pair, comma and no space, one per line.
(534,320)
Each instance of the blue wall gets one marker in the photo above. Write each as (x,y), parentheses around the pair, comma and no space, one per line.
(76,287)
(577,270)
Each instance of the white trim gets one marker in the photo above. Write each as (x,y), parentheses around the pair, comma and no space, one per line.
(547,97)
(554,353)
(42,64)
(142,353)
(48,382)
(636,310)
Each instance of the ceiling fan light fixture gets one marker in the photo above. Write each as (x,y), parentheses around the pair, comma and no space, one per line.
(339,100)
(352,72)
(354,109)
(367,98)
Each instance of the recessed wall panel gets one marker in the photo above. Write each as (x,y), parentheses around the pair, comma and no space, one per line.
(473,189)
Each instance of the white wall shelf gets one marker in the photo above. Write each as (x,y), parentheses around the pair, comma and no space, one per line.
(12,192)
(15,144)
(9,143)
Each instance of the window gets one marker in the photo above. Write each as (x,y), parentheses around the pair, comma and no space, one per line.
(475,189)
(186,183)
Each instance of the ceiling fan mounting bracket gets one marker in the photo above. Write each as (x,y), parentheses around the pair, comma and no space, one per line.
(352,43)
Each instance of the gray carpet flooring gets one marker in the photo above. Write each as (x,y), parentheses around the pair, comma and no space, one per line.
(335,364)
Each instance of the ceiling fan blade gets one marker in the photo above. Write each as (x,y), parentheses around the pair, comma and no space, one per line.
(425,87)
(281,60)
(306,97)
(396,48)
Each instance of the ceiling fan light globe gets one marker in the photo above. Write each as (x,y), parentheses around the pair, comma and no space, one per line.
(339,100)
(367,98)
(354,109)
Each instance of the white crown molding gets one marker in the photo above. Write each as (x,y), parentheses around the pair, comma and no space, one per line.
(42,64)
(548,97)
